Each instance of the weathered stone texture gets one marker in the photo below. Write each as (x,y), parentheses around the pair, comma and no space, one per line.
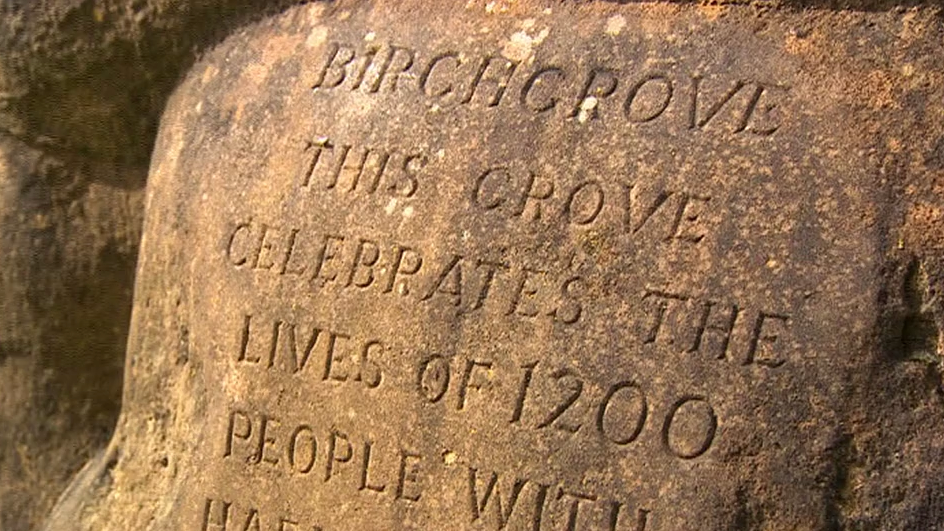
(82,85)
(69,252)
(540,266)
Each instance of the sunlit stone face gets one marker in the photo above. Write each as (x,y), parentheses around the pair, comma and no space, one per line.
(516,267)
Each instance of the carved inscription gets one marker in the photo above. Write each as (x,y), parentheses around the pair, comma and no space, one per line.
(289,347)
(364,468)
(349,168)
(223,515)
(562,400)
(595,334)
(631,98)
(521,194)
(530,504)
(259,439)
(391,269)
(545,397)
(722,330)
(703,325)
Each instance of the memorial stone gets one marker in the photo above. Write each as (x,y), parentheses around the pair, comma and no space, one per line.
(539,266)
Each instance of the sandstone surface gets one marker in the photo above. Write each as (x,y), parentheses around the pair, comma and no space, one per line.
(525,265)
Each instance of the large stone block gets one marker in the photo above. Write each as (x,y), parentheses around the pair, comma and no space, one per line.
(524,265)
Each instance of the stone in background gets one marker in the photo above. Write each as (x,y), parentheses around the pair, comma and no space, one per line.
(82,85)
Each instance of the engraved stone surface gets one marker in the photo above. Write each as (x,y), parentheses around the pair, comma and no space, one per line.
(533,266)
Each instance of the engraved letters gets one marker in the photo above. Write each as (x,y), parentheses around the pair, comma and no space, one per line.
(222,515)
(725,331)
(620,96)
(632,209)
(289,347)
(391,269)
(324,455)
(563,400)
(566,308)
(500,501)
(382,470)
(349,168)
